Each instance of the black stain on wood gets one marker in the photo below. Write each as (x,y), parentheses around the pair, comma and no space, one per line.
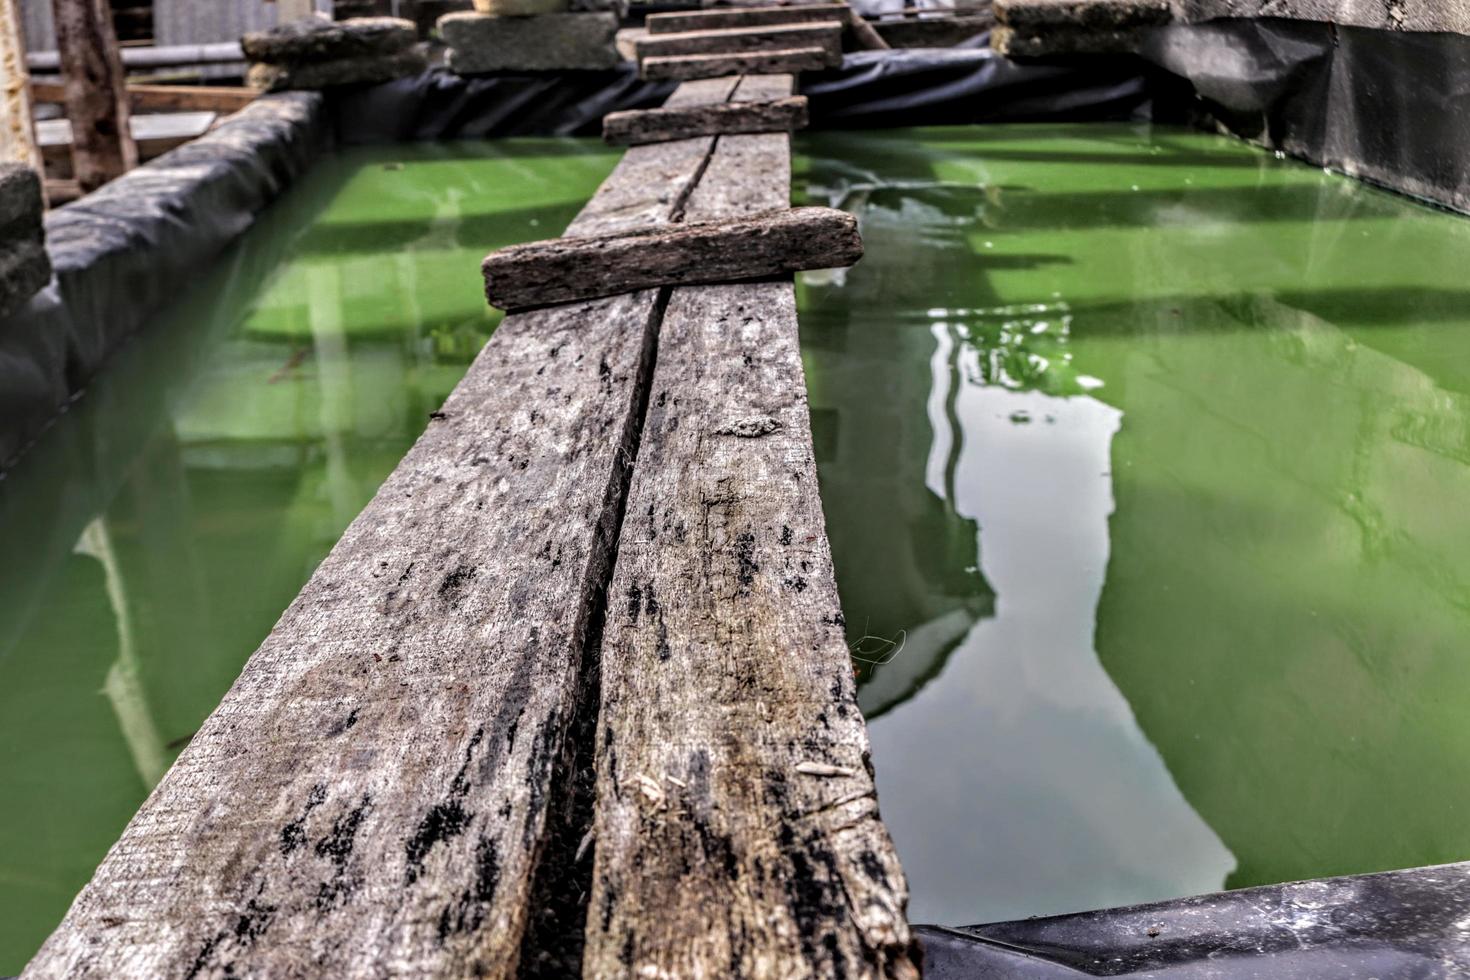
(467,912)
(445,820)
(336,847)
(746,567)
(453,587)
(293,835)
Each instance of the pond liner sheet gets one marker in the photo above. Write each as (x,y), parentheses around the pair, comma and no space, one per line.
(1389,107)
(872,89)
(1397,925)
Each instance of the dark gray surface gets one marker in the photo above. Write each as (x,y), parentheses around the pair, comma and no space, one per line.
(1384,106)
(1398,925)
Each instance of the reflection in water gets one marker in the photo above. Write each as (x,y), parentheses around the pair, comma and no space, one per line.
(1209,412)
(167,520)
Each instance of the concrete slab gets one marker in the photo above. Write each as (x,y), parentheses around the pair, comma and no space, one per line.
(550,42)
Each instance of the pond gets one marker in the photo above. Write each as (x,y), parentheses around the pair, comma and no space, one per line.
(1141,452)
(1145,456)
(167,520)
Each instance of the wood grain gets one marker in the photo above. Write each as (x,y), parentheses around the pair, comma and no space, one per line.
(737,829)
(372,797)
(639,126)
(691,66)
(826,35)
(727,17)
(96,99)
(564,270)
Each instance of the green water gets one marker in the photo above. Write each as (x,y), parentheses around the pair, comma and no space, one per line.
(1146,458)
(154,535)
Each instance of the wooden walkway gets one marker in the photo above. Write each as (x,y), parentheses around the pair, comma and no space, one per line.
(577,673)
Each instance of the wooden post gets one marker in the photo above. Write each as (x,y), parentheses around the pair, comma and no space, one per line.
(17,133)
(96,94)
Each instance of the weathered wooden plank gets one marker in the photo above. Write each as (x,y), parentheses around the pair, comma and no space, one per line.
(372,798)
(564,270)
(96,102)
(826,35)
(638,126)
(737,830)
(165,98)
(702,91)
(865,36)
(727,17)
(690,66)
(17,136)
(763,88)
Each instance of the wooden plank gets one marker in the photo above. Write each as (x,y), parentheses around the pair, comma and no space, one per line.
(565,270)
(17,133)
(728,17)
(864,36)
(657,125)
(373,795)
(826,35)
(737,831)
(96,103)
(165,98)
(690,66)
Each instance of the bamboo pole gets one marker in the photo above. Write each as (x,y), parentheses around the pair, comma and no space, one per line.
(17,131)
(96,94)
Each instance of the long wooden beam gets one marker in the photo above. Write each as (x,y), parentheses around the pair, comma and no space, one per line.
(164,98)
(826,35)
(17,129)
(757,246)
(636,126)
(724,18)
(692,66)
(375,794)
(737,830)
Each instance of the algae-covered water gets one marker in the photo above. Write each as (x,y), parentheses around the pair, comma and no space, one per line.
(154,535)
(1143,455)
(1146,461)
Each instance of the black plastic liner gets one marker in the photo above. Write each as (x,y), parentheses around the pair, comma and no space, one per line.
(121,253)
(932,86)
(1399,925)
(1391,107)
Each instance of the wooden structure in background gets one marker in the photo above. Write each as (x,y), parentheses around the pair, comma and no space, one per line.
(17,132)
(164,98)
(96,95)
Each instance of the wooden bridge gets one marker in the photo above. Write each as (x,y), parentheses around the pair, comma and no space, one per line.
(572,693)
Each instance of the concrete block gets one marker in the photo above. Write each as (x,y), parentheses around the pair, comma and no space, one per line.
(1446,16)
(315,39)
(21,205)
(1083,14)
(24,269)
(549,42)
(343,71)
(1039,28)
(24,266)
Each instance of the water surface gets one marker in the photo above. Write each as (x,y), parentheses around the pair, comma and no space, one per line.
(154,535)
(1145,458)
